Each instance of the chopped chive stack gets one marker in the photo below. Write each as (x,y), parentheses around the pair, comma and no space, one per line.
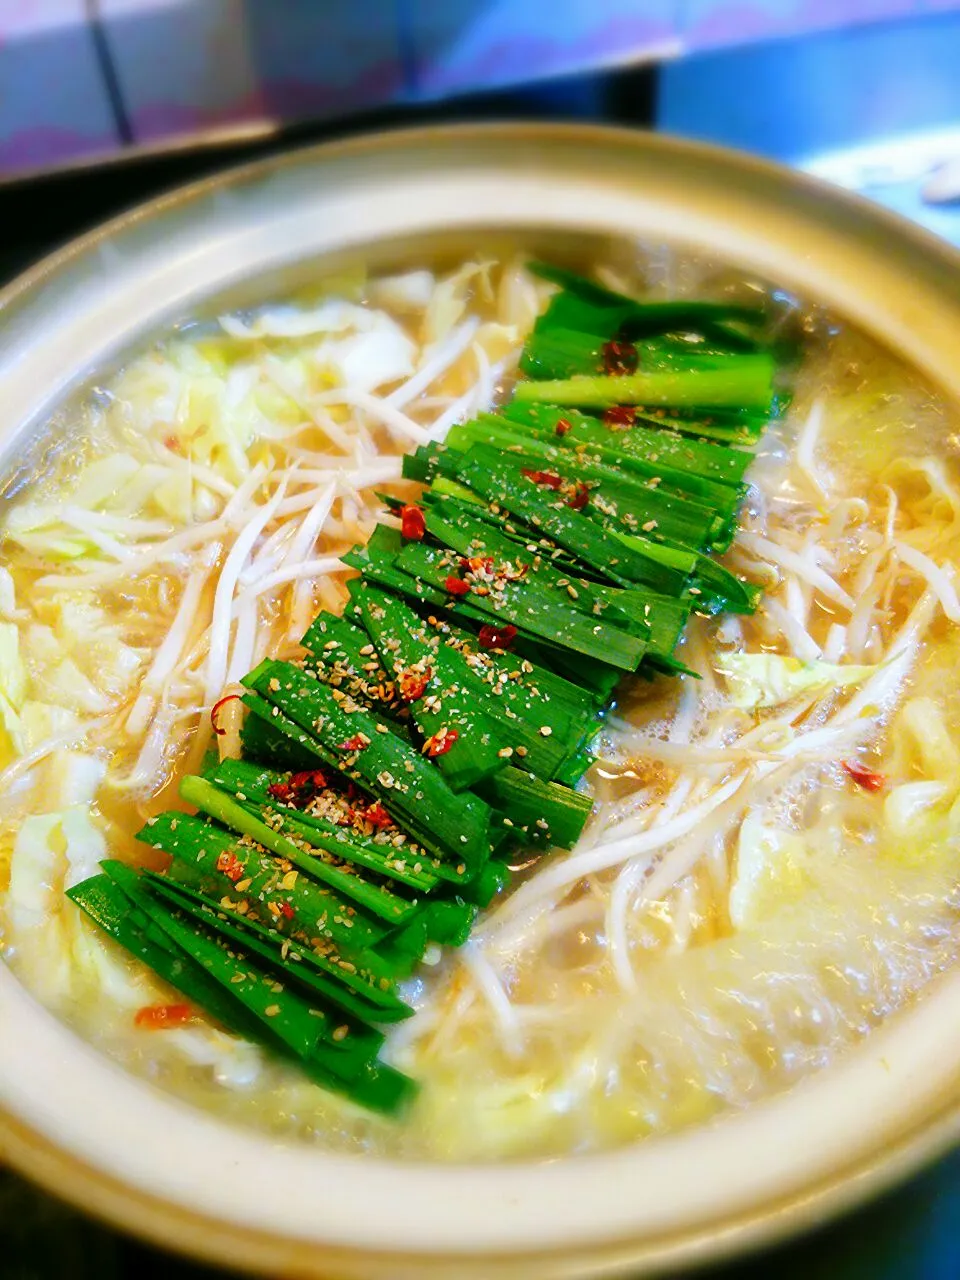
(444,720)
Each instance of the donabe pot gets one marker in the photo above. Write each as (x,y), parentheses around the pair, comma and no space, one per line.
(76,1122)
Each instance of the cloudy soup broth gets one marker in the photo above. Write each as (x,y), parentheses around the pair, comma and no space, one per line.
(686,880)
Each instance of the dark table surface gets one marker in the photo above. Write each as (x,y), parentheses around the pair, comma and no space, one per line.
(913,1233)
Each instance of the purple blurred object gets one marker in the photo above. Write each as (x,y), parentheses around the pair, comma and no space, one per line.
(81,79)
(461,45)
(54,106)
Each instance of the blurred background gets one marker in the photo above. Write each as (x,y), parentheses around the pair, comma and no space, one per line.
(104,103)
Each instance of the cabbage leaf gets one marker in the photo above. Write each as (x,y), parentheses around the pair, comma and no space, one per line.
(13,691)
(410,291)
(333,315)
(768,859)
(769,679)
(451,298)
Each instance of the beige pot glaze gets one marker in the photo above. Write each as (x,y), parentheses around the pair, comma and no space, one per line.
(79,1125)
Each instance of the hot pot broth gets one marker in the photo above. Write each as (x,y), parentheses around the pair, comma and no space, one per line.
(770,867)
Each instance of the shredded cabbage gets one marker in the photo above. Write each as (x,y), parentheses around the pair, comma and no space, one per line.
(365,361)
(80,662)
(8,599)
(921,718)
(42,720)
(32,871)
(38,530)
(104,481)
(65,683)
(333,315)
(71,778)
(85,846)
(118,485)
(450,299)
(12,737)
(234,1063)
(86,633)
(13,688)
(769,679)
(510,1113)
(210,431)
(498,340)
(767,858)
(213,408)
(13,674)
(410,291)
(63,954)
(906,806)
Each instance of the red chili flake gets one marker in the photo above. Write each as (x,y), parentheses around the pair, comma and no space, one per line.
(413,684)
(412,524)
(286,910)
(549,479)
(378,817)
(439,743)
(456,586)
(476,564)
(309,780)
(216,707)
(492,637)
(580,498)
(281,790)
(619,357)
(866,778)
(563,426)
(620,416)
(299,787)
(154,1017)
(231,866)
(356,743)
